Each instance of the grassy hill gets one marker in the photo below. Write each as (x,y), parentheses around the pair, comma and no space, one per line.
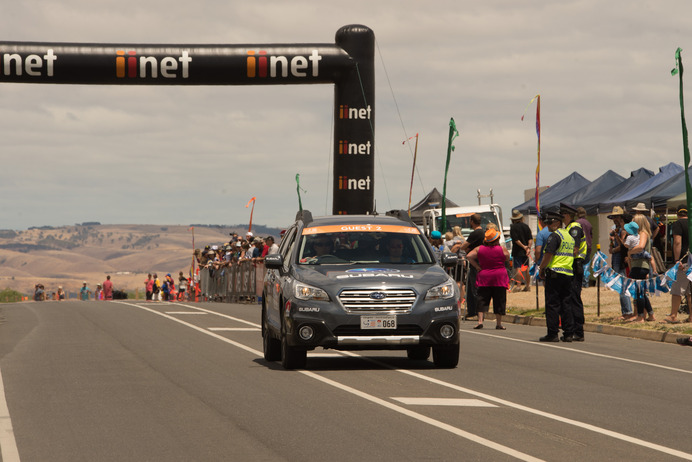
(67,256)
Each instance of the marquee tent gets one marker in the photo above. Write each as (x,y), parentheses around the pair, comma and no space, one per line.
(555,193)
(432,200)
(658,197)
(606,182)
(591,203)
(642,192)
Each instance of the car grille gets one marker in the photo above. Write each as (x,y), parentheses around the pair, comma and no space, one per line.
(373,300)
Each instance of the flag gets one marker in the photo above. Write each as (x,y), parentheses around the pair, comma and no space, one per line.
(251,201)
(537,98)
(688,188)
(453,133)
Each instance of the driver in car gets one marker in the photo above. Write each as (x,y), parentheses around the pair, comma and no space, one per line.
(321,245)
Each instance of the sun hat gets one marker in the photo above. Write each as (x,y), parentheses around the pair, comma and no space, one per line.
(632,228)
(491,235)
(617,212)
(517,215)
(640,207)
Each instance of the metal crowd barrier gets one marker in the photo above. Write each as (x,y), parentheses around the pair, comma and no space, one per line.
(239,283)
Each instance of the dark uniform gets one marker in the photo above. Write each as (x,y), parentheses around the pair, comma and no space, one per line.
(577,306)
(558,274)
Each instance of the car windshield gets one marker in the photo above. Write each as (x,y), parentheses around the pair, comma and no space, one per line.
(352,244)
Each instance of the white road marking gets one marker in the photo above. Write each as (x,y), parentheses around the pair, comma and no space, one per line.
(233,329)
(443,402)
(8,445)
(232,318)
(436,423)
(442,425)
(576,423)
(183,312)
(573,350)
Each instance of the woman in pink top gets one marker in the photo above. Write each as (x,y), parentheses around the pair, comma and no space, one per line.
(492,280)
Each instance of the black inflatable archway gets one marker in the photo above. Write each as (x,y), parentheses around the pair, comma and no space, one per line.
(349,64)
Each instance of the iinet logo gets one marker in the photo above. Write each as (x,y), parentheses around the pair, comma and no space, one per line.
(346,112)
(261,65)
(354,148)
(33,65)
(168,67)
(362,184)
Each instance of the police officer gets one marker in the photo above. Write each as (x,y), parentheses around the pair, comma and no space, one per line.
(575,230)
(556,270)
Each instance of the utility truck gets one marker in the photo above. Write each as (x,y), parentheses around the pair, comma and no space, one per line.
(460,216)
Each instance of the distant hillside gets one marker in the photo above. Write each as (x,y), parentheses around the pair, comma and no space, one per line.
(67,256)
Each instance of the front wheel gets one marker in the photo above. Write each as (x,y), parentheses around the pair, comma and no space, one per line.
(446,356)
(271,345)
(292,357)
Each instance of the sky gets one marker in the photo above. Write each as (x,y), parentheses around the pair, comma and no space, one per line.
(197,154)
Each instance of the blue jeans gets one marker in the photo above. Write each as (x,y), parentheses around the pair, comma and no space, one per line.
(625,302)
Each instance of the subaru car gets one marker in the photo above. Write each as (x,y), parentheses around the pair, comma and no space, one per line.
(359,282)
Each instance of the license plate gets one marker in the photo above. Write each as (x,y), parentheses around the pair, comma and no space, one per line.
(378,322)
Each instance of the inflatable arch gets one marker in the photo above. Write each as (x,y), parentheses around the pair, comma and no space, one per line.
(348,64)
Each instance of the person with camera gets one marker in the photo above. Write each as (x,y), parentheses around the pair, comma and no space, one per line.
(556,270)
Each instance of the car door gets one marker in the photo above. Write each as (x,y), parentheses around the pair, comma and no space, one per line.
(274,280)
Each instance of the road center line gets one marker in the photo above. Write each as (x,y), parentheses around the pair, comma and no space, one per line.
(394,407)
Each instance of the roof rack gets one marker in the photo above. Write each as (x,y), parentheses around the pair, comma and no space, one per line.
(305,216)
(401,215)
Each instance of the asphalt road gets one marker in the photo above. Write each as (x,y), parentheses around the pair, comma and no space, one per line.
(127,381)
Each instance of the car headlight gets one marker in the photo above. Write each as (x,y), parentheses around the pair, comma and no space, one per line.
(306,292)
(441,292)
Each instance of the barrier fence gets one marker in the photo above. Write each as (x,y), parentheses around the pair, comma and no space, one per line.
(238,283)
(243,282)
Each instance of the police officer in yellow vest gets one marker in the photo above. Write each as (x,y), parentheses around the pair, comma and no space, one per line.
(556,271)
(575,230)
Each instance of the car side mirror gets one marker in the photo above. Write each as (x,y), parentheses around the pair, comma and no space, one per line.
(275,261)
(449,259)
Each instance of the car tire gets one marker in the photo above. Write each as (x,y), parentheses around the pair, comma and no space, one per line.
(292,357)
(270,345)
(418,353)
(446,356)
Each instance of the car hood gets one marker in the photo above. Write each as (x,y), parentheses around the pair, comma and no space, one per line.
(340,276)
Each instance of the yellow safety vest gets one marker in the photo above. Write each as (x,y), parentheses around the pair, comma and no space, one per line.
(582,244)
(563,259)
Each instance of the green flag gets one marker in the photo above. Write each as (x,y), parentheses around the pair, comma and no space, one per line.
(453,133)
(685,145)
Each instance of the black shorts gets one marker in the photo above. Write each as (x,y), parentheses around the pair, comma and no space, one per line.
(499,297)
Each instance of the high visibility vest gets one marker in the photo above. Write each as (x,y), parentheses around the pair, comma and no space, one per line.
(582,244)
(563,259)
